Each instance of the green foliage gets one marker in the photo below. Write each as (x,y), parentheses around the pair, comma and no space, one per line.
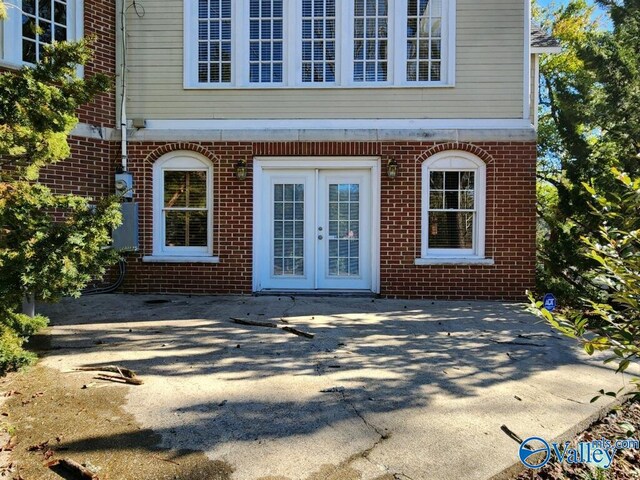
(51,245)
(38,108)
(589,123)
(589,202)
(609,318)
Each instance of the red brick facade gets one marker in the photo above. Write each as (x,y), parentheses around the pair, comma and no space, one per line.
(510,219)
(99,23)
(510,203)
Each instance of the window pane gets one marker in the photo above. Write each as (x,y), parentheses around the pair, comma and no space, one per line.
(288,229)
(185,189)
(186,229)
(266,34)
(370,34)
(38,27)
(344,229)
(318,41)
(451,229)
(214,35)
(424,33)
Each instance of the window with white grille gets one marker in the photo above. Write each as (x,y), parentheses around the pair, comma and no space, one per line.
(32,24)
(214,41)
(183,205)
(453,204)
(424,40)
(319,43)
(266,33)
(370,40)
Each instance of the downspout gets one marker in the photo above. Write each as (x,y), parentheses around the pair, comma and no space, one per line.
(123,86)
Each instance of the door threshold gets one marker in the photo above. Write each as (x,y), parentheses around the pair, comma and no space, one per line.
(317,293)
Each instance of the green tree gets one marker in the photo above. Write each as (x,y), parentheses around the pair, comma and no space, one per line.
(590,171)
(51,244)
(588,125)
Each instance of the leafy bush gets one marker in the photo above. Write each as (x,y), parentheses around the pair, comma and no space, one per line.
(609,318)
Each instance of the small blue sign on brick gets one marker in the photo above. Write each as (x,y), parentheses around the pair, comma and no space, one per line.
(549,302)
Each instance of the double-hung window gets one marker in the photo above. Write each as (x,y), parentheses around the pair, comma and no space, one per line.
(319,43)
(32,24)
(183,205)
(453,206)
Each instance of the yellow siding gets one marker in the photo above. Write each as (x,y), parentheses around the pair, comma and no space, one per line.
(489,75)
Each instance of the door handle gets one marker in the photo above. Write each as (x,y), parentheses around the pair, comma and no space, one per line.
(319,237)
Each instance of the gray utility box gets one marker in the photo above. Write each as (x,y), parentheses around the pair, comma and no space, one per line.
(125,237)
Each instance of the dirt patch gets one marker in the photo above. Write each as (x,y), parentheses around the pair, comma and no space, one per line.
(49,415)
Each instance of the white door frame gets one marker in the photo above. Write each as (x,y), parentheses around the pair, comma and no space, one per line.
(313,163)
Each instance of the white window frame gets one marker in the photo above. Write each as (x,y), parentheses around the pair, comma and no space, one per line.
(292,75)
(453,161)
(12,41)
(183,160)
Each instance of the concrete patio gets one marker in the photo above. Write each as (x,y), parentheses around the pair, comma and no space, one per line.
(385,389)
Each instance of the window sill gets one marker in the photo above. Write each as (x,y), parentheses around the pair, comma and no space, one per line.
(189,85)
(176,259)
(11,65)
(454,261)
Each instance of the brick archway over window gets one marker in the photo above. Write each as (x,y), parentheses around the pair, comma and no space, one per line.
(172,147)
(465,147)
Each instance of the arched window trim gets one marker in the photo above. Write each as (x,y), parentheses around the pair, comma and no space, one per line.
(183,160)
(455,160)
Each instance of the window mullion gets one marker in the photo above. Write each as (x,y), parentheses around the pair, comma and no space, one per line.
(346,43)
(240,29)
(398,50)
(293,22)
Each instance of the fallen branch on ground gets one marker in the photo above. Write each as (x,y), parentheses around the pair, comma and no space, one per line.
(300,333)
(124,374)
(119,379)
(72,466)
(253,323)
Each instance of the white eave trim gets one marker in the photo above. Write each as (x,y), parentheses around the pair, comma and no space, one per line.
(543,50)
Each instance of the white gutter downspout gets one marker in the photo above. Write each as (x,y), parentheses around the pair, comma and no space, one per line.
(123,80)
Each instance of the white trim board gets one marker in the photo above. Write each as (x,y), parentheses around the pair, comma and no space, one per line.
(340,124)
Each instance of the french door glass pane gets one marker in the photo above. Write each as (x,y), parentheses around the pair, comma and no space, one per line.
(344,229)
(288,229)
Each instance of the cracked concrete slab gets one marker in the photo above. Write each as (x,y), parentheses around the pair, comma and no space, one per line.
(386,388)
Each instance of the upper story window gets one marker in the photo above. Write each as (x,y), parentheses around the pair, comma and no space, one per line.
(453,206)
(31,24)
(319,43)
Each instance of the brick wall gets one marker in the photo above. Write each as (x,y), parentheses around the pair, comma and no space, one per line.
(510,221)
(99,22)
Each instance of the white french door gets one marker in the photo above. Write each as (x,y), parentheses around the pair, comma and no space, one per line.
(314,229)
